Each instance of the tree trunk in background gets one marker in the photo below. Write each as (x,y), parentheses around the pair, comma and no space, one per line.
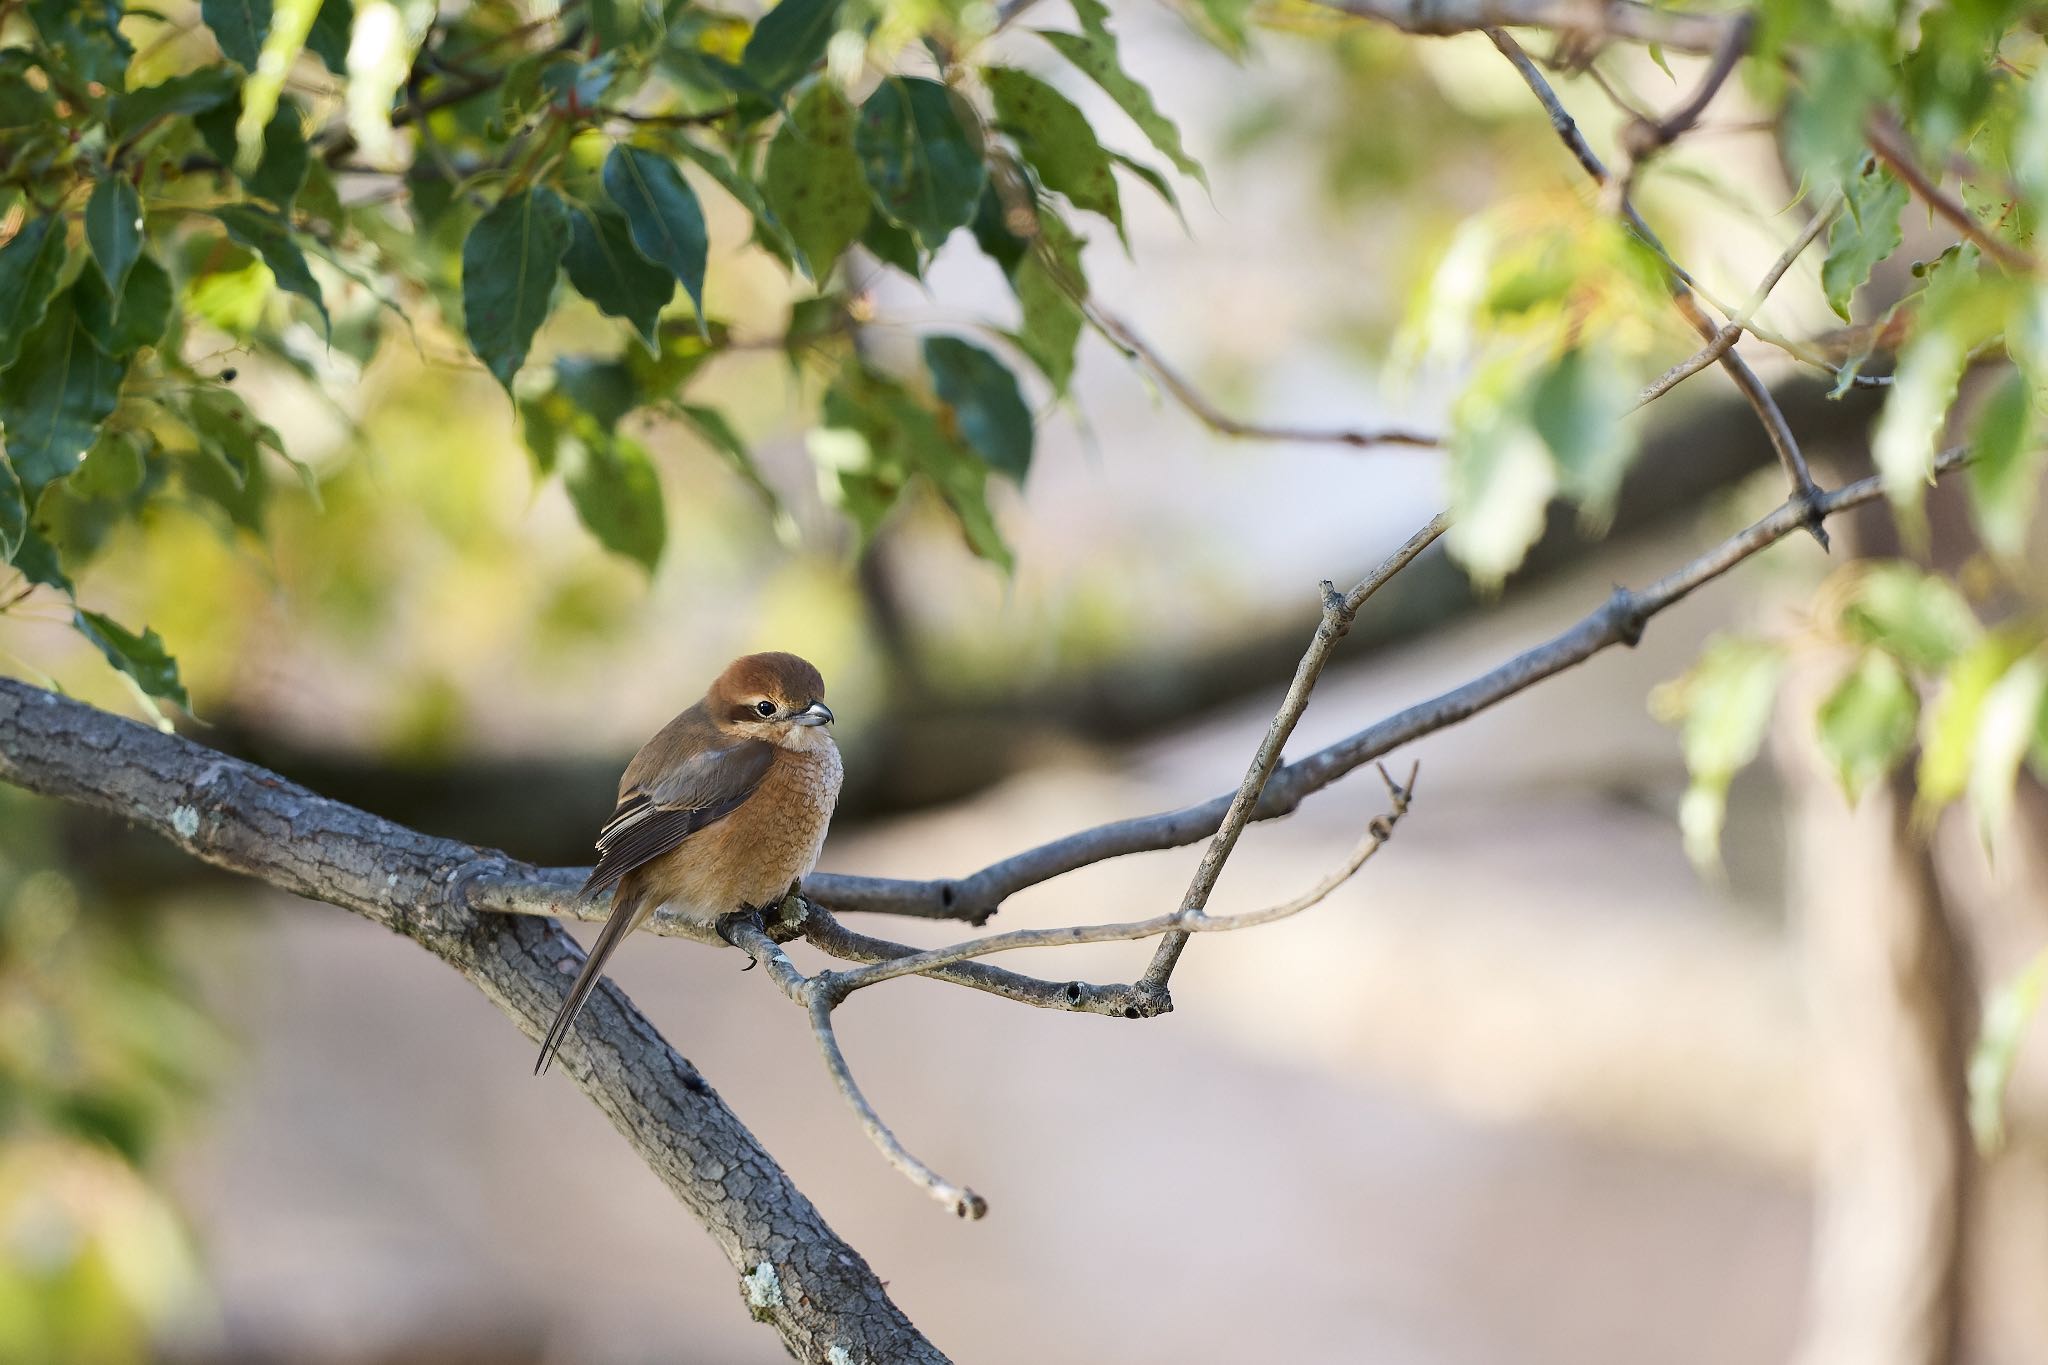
(1890,1002)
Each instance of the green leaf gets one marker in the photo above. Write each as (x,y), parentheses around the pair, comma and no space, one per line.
(137,319)
(893,245)
(113,228)
(1502,475)
(1824,118)
(1863,236)
(614,488)
(711,424)
(1948,733)
(788,41)
(606,268)
(602,388)
(230,432)
(509,262)
(87,34)
(54,398)
(982,396)
(1057,140)
(195,92)
(768,228)
(2004,473)
(113,469)
(29,267)
(813,178)
(1161,186)
(291,23)
(1960,309)
(1094,52)
(1866,724)
(282,171)
(925,172)
(142,657)
(1914,616)
(1725,704)
(2007,1014)
(36,559)
(1045,282)
(663,214)
(329,37)
(238,26)
(269,236)
(2006,727)
(1577,405)
(13,512)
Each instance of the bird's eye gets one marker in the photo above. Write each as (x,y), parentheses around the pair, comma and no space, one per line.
(765,708)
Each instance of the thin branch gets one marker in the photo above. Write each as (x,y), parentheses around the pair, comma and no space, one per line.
(1731,331)
(1183,921)
(1620,620)
(439,893)
(1196,402)
(1673,30)
(816,997)
(1338,614)
(1746,381)
(1888,142)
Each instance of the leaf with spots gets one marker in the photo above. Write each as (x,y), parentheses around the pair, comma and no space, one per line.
(924,170)
(813,178)
(1094,52)
(1056,140)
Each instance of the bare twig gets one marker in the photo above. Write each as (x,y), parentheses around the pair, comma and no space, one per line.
(1886,139)
(1338,613)
(1732,330)
(1184,921)
(1619,620)
(818,996)
(1746,381)
(1593,20)
(1196,402)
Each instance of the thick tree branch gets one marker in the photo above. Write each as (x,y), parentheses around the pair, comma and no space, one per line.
(796,1273)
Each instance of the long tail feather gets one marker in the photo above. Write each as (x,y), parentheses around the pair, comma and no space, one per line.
(627,912)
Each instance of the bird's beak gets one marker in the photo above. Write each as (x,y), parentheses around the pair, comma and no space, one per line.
(817,713)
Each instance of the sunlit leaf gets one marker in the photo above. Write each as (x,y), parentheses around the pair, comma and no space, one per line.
(509,263)
(142,657)
(269,236)
(662,213)
(382,45)
(1948,733)
(925,172)
(1056,140)
(813,178)
(1911,614)
(1502,475)
(981,394)
(1866,724)
(1725,705)
(1865,233)
(1094,52)
(291,22)
(2008,455)
(1577,405)
(2006,727)
(2007,1014)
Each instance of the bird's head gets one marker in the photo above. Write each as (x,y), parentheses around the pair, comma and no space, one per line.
(776,697)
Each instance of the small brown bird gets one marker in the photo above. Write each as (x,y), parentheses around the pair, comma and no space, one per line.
(725,809)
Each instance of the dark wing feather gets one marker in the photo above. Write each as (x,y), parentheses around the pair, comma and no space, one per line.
(657,813)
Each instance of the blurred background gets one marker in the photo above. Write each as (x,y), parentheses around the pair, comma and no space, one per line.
(1532,1088)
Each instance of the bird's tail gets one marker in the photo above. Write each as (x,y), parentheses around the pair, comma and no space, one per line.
(628,909)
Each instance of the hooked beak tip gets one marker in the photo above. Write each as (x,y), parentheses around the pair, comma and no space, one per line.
(817,713)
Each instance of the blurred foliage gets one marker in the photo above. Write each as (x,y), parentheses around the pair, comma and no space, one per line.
(100,1054)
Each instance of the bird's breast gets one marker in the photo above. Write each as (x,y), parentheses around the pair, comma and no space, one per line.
(773,839)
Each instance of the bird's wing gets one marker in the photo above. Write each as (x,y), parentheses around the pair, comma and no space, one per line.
(673,801)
